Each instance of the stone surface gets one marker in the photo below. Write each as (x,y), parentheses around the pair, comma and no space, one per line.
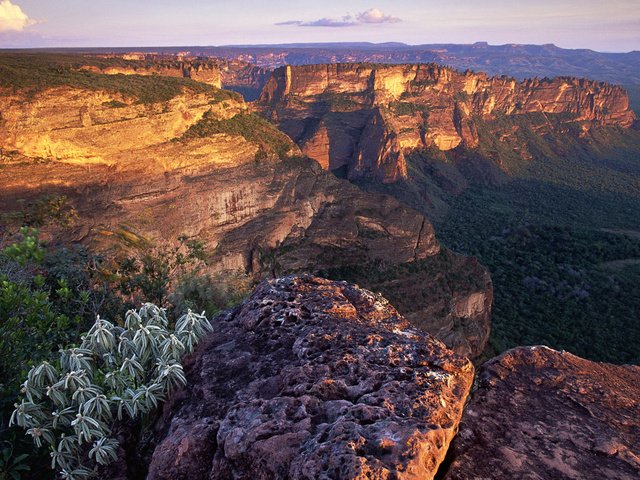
(543,414)
(312,379)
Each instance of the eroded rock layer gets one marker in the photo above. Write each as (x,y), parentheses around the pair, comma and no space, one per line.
(311,378)
(543,414)
(196,167)
(364,118)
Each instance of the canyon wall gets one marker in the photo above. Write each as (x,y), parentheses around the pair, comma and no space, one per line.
(200,71)
(365,117)
(130,171)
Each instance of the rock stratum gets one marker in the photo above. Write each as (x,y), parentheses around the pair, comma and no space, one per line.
(364,119)
(311,378)
(200,70)
(200,166)
(542,414)
(236,75)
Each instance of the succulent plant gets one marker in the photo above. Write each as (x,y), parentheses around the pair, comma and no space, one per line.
(114,373)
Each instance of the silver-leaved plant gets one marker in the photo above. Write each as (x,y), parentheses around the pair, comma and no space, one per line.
(115,373)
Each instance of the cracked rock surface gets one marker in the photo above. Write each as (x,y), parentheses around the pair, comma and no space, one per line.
(311,379)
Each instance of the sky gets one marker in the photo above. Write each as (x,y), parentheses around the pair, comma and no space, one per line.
(602,25)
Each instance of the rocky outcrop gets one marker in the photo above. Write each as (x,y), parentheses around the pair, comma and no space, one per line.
(200,70)
(80,126)
(313,379)
(539,413)
(129,172)
(367,117)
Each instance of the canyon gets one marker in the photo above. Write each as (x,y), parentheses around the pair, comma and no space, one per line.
(364,119)
(367,372)
(150,173)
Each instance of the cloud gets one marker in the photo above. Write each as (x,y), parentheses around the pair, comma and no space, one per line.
(323,22)
(375,15)
(371,16)
(12,18)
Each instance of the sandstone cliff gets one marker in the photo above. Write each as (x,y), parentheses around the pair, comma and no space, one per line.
(236,75)
(200,166)
(205,71)
(311,379)
(539,413)
(366,117)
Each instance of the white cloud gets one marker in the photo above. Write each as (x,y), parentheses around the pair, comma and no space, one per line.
(371,16)
(12,18)
(375,15)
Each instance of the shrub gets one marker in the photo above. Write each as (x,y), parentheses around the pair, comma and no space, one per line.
(251,127)
(115,373)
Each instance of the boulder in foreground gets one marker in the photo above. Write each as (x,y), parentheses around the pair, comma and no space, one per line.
(308,379)
(543,414)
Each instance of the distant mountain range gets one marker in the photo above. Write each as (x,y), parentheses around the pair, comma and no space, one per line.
(520,61)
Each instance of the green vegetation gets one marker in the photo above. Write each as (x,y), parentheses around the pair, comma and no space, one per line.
(340,101)
(251,127)
(634,97)
(44,210)
(33,73)
(561,242)
(408,108)
(49,294)
(114,104)
(115,373)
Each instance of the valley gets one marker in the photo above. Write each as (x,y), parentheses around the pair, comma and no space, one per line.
(408,270)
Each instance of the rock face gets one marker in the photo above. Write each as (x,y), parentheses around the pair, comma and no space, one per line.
(78,126)
(200,70)
(364,118)
(242,77)
(129,172)
(543,414)
(308,379)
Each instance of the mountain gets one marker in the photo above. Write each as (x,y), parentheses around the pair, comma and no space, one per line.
(515,60)
(145,160)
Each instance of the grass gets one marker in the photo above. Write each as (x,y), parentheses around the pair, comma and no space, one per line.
(251,127)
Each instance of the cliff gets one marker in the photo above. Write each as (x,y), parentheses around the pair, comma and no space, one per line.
(540,413)
(236,75)
(200,166)
(365,118)
(311,379)
(205,71)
